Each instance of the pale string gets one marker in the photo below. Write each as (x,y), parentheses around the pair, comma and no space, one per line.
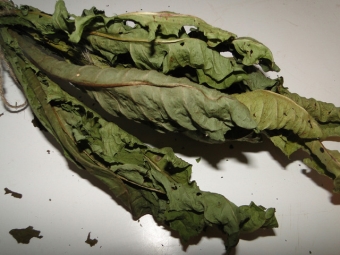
(2,91)
(3,63)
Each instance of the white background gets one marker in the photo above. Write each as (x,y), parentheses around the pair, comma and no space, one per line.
(65,203)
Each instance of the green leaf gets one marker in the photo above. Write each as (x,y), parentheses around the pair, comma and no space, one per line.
(185,222)
(154,181)
(157,41)
(324,161)
(60,17)
(285,145)
(169,24)
(149,96)
(274,111)
(252,51)
(257,80)
(253,217)
(321,111)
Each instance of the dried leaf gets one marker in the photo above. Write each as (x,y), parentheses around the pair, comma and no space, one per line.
(274,111)
(91,242)
(24,235)
(149,95)
(320,111)
(13,194)
(146,180)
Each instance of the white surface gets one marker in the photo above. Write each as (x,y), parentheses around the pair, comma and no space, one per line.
(304,38)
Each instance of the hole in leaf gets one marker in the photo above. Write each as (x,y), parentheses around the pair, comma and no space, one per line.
(188,29)
(226,54)
(130,23)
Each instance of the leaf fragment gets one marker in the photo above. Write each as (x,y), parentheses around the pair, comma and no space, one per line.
(24,235)
(13,194)
(91,242)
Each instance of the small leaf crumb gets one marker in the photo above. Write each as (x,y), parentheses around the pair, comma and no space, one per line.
(24,235)
(90,241)
(13,194)
(198,159)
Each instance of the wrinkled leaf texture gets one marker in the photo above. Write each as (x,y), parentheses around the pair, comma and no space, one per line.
(146,180)
(164,104)
(274,111)
(173,104)
(158,41)
(245,50)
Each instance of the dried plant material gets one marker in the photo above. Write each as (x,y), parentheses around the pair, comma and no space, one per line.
(146,180)
(91,242)
(25,235)
(13,194)
(155,72)
(36,123)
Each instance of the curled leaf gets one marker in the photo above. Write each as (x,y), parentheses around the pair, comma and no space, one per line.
(169,103)
(147,180)
(252,51)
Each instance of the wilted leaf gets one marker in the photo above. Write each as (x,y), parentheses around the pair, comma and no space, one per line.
(274,111)
(158,41)
(146,180)
(149,96)
(320,111)
(252,51)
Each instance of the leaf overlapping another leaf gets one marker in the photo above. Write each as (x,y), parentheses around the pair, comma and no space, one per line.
(320,111)
(173,104)
(274,111)
(147,180)
(158,41)
(101,54)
